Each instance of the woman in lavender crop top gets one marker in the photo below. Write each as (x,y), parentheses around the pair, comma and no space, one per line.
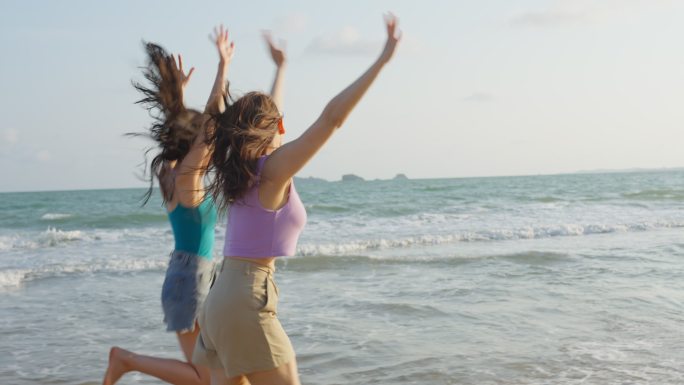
(241,339)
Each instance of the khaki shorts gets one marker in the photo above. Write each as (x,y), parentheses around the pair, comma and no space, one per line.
(239,330)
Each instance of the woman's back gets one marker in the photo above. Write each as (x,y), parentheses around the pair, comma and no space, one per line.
(193,227)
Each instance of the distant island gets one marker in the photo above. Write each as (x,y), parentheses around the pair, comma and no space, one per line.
(352,178)
(346,178)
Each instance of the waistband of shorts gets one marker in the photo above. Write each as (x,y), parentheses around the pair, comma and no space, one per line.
(186,256)
(246,266)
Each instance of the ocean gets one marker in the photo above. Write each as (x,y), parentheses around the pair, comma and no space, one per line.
(559,279)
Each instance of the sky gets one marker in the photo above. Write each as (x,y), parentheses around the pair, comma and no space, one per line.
(477,88)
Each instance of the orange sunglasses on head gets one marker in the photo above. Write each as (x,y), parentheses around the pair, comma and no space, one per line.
(281,128)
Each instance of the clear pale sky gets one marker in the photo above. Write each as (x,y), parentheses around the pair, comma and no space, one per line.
(477,88)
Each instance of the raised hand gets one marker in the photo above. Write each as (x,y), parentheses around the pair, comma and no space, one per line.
(277,53)
(225,47)
(393,37)
(180,75)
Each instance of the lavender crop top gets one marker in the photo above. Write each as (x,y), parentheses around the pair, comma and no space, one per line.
(255,232)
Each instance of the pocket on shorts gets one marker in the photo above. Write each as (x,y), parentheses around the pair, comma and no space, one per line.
(258,294)
(275,287)
(265,296)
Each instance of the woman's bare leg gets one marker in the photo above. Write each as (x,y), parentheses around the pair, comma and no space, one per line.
(175,372)
(285,374)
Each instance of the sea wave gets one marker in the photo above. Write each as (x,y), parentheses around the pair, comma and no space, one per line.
(54,237)
(12,278)
(127,220)
(357,247)
(55,216)
(329,208)
(332,263)
(48,238)
(76,220)
(676,195)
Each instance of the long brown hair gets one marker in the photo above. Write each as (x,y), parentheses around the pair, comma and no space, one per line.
(242,134)
(174,127)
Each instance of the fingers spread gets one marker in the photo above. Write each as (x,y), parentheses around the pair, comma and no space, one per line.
(173,63)
(268,38)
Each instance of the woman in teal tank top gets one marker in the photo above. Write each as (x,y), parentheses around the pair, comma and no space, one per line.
(179,167)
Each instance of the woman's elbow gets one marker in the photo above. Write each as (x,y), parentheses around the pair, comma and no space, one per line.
(332,119)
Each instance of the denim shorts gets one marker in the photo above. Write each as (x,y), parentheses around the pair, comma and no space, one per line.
(187,283)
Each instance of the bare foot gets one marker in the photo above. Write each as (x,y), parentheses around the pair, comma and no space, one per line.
(117,366)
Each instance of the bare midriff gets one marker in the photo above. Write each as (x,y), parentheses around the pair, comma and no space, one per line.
(265,261)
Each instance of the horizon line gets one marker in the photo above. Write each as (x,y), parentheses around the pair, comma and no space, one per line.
(578,172)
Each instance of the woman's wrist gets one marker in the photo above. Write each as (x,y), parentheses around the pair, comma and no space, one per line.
(380,62)
(224,64)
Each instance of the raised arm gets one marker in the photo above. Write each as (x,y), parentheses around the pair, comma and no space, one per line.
(225,48)
(191,167)
(287,160)
(278,56)
(190,172)
(182,77)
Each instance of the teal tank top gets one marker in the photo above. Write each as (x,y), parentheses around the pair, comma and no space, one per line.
(193,228)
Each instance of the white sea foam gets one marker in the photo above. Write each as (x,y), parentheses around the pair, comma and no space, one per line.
(562,230)
(48,238)
(55,216)
(5,243)
(12,278)
(53,236)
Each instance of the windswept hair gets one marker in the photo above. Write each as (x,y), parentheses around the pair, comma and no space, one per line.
(242,133)
(174,128)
